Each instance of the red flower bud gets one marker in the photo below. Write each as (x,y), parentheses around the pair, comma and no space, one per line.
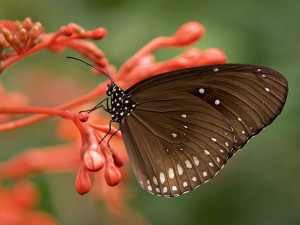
(117,159)
(213,56)
(99,33)
(23,34)
(83,182)
(189,33)
(112,175)
(77,29)
(83,116)
(67,30)
(27,23)
(93,160)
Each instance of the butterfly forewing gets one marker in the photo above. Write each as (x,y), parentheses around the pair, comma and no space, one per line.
(248,96)
(175,141)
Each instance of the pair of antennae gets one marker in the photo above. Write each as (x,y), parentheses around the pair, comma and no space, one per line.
(93,66)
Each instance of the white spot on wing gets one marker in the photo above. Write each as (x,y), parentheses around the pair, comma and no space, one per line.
(171,173)
(211,164)
(155,181)
(214,140)
(174,188)
(204,173)
(149,188)
(174,135)
(201,90)
(179,169)
(217,102)
(239,119)
(206,152)
(188,164)
(165,189)
(162,177)
(196,160)
(194,179)
(183,115)
(216,69)
(185,184)
(267,89)
(157,190)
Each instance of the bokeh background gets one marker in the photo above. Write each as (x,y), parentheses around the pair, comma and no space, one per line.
(260,185)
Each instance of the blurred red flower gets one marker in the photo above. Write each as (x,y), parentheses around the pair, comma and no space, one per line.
(17,206)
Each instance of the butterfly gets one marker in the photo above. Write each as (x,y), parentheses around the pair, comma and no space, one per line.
(180,127)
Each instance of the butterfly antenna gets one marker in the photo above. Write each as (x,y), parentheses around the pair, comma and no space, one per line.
(93,66)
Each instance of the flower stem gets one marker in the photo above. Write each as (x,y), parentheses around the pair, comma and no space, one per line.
(30,109)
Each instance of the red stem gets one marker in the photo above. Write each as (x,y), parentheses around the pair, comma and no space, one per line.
(33,119)
(37,110)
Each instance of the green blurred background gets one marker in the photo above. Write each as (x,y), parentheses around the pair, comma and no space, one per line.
(260,185)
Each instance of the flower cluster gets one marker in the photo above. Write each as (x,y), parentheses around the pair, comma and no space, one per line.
(26,38)
(20,39)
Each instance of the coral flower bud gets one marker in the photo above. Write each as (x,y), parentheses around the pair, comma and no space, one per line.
(27,23)
(83,182)
(93,160)
(83,116)
(67,30)
(34,32)
(23,34)
(217,55)
(18,25)
(112,175)
(5,32)
(189,33)
(118,160)
(99,33)
(78,29)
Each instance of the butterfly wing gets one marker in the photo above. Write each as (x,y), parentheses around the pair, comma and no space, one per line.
(175,141)
(250,97)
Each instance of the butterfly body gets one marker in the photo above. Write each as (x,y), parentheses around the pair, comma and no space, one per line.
(120,104)
(181,127)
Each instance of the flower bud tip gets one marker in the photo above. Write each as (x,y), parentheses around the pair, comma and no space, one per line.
(112,175)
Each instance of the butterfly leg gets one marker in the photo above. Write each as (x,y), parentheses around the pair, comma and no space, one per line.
(99,105)
(109,129)
(111,137)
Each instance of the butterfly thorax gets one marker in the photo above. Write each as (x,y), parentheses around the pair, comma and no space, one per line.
(121,105)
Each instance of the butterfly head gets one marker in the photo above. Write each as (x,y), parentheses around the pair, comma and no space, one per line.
(111,89)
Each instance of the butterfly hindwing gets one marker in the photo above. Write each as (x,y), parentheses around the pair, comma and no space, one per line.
(175,141)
